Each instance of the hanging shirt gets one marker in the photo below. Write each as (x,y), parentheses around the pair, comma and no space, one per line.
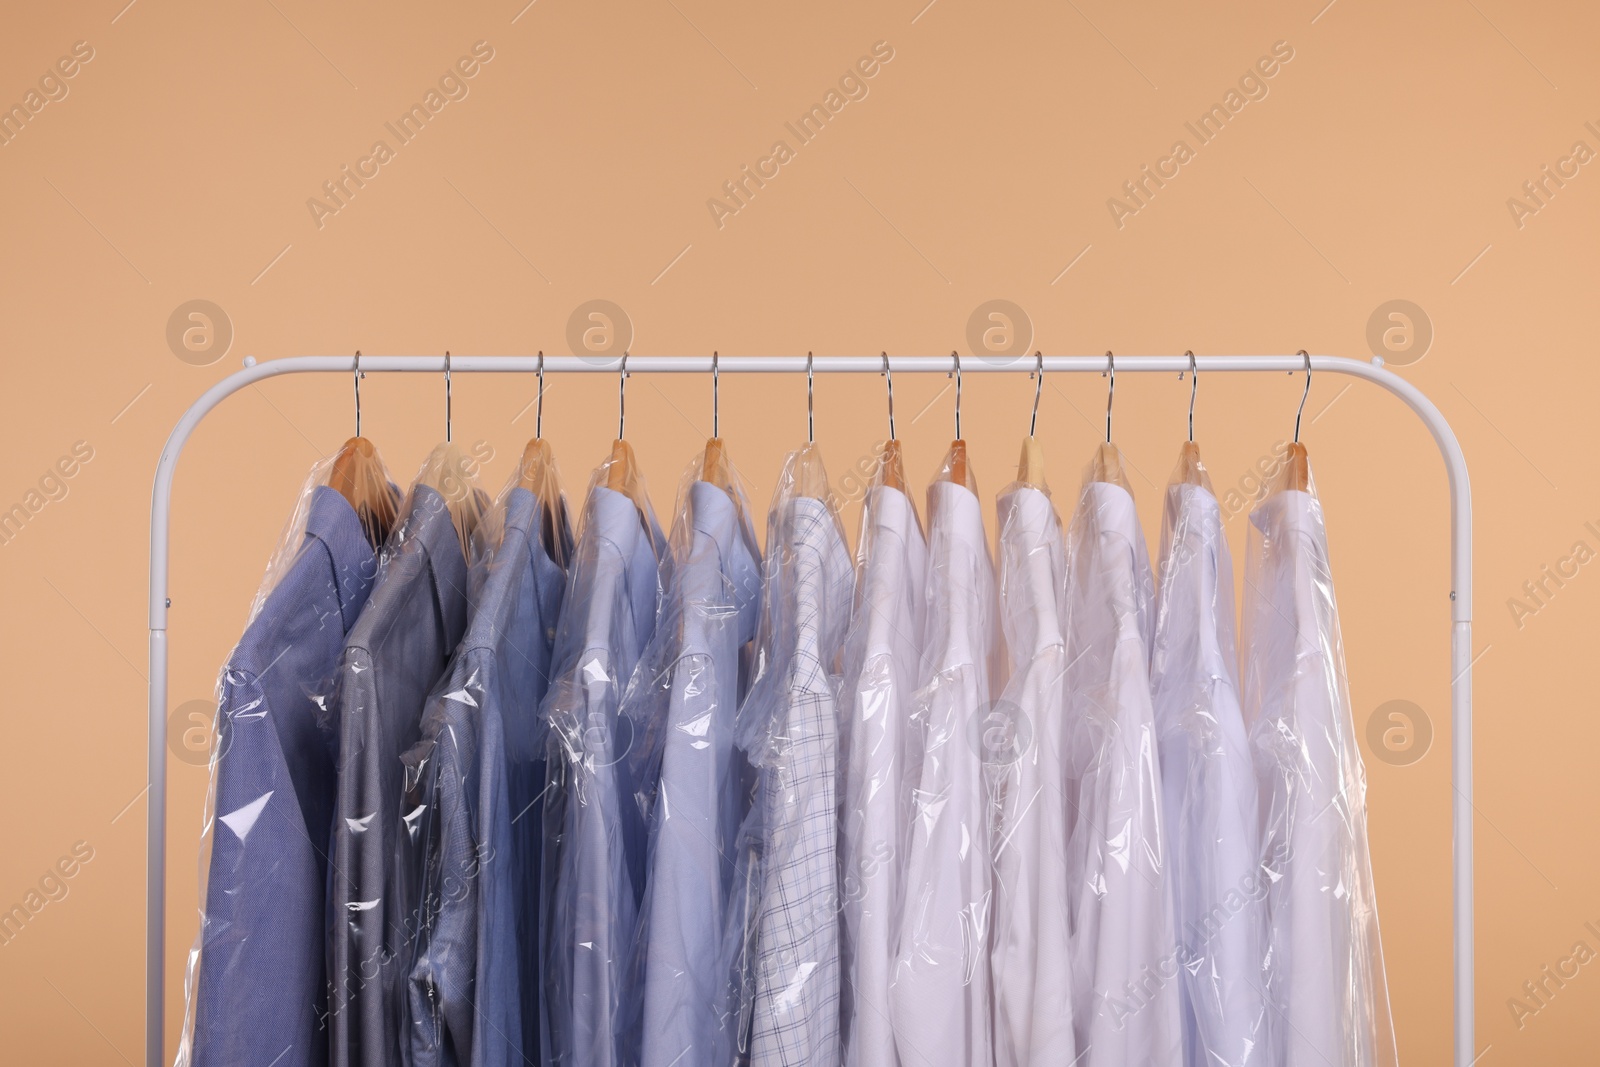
(882,673)
(691,781)
(593,845)
(469,1002)
(940,988)
(260,994)
(395,654)
(1124,953)
(1022,749)
(1208,789)
(788,725)
(1325,982)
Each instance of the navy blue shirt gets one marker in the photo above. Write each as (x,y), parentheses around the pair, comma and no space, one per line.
(261,991)
(470,812)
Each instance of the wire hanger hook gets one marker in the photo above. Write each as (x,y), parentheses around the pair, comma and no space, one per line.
(622,396)
(715,403)
(1038,387)
(1194,387)
(538,409)
(888,376)
(1302,353)
(358,377)
(957,357)
(1111,393)
(447,398)
(811,415)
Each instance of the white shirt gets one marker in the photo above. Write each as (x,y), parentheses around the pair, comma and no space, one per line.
(1209,789)
(1124,956)
(882,671)
(1325,983)
(1022,750)
(940,997)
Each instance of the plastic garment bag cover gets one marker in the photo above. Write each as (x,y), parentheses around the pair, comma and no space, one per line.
(1325,980)
(1209,788)
(469,847)
(940,995)
(593,839)
(1125,969)
(394,656)
(784,913)
(689,783)
(882,671)
(255,984)
(1023,747)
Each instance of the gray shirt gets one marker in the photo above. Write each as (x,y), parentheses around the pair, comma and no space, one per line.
(395,654)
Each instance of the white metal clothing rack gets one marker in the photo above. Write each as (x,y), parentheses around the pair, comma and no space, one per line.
(1460,572)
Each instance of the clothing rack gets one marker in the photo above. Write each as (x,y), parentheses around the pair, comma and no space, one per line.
(1460,569)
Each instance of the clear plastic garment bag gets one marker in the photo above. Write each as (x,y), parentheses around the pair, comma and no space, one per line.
(1022,742)
(684,771)
(784,911)
(1326,990)
(593,842)
(882,672)
(940,997)
(1125,968)
(1208,783)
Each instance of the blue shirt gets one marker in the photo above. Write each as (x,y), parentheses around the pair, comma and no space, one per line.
(261,992)
(471,819)
(591,847)
(395,654)
(689,780)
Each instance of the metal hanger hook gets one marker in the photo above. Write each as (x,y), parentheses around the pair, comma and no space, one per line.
(1111,393)
(811,411)
(538,409)
(888,376)
(1038,387)
(1302,354)
(1194,387)
(358,392)
(715,389)
(957,357)
(447,398)
(622,395)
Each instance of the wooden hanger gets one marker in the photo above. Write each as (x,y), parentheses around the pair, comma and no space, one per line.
(1297,468)
(622,471)
(1190,470)
(891,465)
(959,470)
(1107,463)
(1030,468)
(358,475)
(450,473)
(537,473)
(714,468)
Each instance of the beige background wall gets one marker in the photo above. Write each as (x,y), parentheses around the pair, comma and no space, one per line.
(176,165)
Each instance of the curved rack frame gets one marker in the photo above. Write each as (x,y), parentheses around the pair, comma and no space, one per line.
(1444,437)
